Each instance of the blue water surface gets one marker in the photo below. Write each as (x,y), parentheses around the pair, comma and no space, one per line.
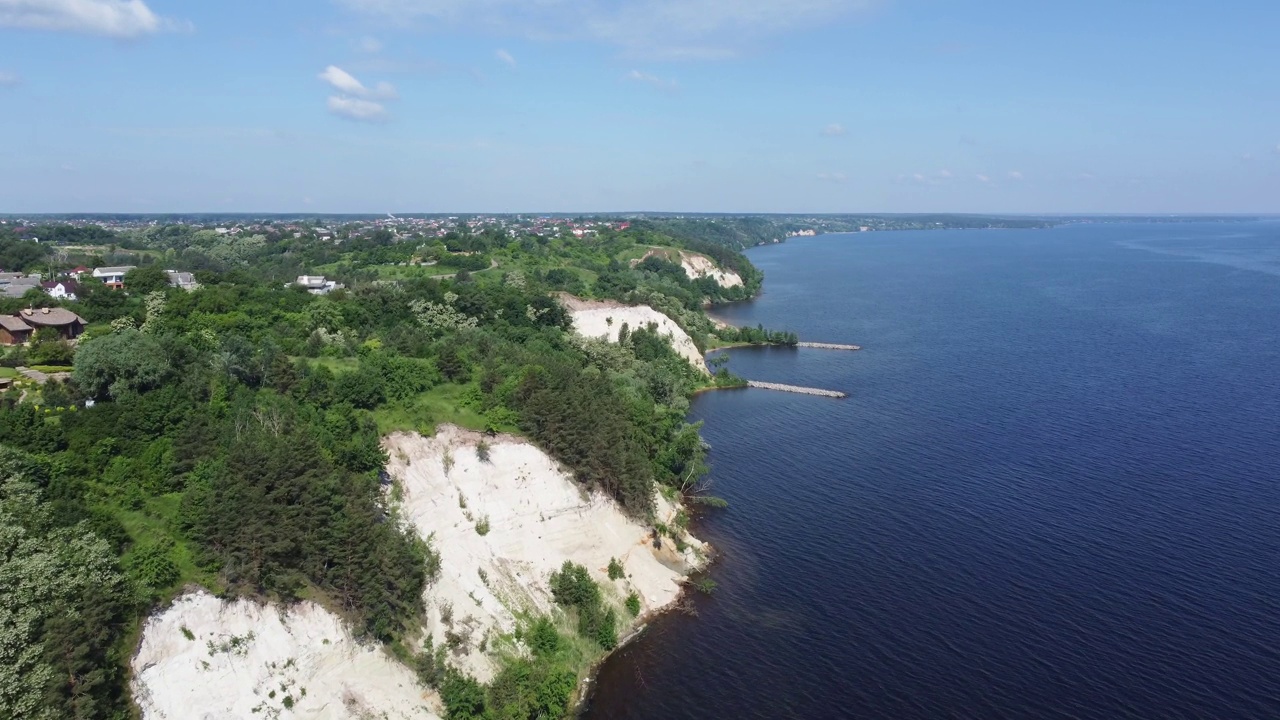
(1054,491)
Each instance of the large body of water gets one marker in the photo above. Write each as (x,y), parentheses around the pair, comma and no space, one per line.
(1053,493)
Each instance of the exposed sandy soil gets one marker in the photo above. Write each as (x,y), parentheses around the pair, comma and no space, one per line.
(244,659)
(698,266)
(538,518)
(604,320)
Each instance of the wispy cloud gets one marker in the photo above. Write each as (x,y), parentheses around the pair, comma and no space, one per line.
(670,29)
(506,57)
(934,178)
(834,177)
(368,44)
(345,82)
(653,81)
(9,79)
(1016,175)
(357,109)
(834,130)
(982,178)
(112,18)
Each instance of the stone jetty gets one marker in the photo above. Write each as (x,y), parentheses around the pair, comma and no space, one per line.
(796,389)
(828,346)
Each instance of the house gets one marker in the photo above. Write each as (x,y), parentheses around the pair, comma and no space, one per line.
(8,277)
(17,287)
(68,324)
(184,280)
(78,273)
(13,331)
(317,284)
(61,289)
(112,277)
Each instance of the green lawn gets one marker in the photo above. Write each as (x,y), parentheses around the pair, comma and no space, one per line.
(441,404)
(7,372)
(51,368)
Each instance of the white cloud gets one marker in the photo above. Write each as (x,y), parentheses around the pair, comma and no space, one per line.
(506,57)
(357,109)
(671,29)
(345,82)
(834,130)
(1086,176)
(8,79)
(113,18)
(368,44)
(935,178)
(653,81)
(982,178)
(1016,175)
(836,177)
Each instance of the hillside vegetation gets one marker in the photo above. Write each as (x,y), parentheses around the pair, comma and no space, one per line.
(233,438)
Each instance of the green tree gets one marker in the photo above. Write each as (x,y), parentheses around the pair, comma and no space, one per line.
(146,279)
(121,364)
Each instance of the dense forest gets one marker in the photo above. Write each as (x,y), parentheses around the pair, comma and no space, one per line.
(229,436)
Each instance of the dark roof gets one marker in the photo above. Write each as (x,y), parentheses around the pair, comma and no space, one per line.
(68,285)
(13,324)
(50,317)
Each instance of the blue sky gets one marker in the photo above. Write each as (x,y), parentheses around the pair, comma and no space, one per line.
(613,105)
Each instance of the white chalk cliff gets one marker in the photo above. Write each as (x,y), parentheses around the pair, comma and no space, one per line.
(208,658)
(204,658)
(605,320)
(700,266)
(537,517)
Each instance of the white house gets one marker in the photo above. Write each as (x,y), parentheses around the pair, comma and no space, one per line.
(61,289)
(112,276)
(183,280)
(317,284)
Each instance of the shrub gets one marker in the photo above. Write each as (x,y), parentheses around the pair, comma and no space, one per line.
(573,586)
(463,697)
(544,639)
(615,569)
(633,604)
(482,527)
(482,451)
(429,664)
(186,633)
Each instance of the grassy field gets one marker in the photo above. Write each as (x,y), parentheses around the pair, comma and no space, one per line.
(152,525)
(7,372)
(441,404)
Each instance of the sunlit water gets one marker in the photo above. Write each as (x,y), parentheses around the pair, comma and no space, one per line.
(1054,491)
